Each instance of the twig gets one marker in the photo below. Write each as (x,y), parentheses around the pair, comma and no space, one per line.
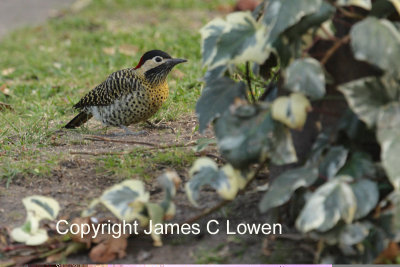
(101,153)
(249,82)
(330,36)
(99,138)
(334,48)
(125,152)
(52,252)
(153,145)
(225,202)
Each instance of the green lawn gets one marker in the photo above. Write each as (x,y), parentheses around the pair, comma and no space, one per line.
(48,68)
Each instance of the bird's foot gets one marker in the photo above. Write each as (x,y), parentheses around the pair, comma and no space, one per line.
(159,126)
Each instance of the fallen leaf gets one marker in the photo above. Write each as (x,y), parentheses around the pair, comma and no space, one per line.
(55,257)
(109,50)
(389,254)
(7,71)
(22,260)
(5,90)
(177,74)
(57,65)
(225,8)
(128,50)
(109,250)
(244,5)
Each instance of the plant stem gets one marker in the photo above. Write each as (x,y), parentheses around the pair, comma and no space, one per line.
(334,48)
(253,98)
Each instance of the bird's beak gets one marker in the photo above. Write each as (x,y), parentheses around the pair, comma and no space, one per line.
(175,61)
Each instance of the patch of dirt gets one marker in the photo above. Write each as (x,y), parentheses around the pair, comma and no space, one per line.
(76,181)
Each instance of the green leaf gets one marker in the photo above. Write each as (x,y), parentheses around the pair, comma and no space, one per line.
(392,87)
(216,97)
(383,8)
(285,184)
(330,203)
(214,74)
(333,161)
(284,151)
(305,76)
(169,181)
(389,138)
(383,49)
(235,40)
(355,233)
(365,4)
(367,195)
(203,143)
(156,214)
(313,20)
(365,97)
(210,36)
(247,134)
(204,171)
(126,200)
(281,14)
(320,145)
(358,166)
(394,199)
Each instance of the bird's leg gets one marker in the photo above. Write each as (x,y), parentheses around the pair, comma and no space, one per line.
(158,126)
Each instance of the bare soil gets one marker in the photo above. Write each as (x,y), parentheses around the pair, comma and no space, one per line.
(77,180)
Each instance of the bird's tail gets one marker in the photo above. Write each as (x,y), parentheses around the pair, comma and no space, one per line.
(79,119)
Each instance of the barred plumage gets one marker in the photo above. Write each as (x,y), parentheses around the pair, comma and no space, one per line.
(130,95)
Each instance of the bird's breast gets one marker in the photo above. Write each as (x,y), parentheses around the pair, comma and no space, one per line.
(159,94)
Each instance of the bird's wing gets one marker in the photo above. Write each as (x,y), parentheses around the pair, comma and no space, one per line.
(117,84)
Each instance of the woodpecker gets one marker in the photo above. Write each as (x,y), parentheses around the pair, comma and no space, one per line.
(130,95)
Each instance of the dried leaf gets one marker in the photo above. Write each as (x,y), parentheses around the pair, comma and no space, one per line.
(177,74)
(389,254)
(243,5)
(8,71)
(5,90)
(84,238)
(109,50)
(128,50)
(109,250)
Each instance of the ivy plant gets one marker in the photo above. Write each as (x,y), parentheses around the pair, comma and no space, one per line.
(321,70)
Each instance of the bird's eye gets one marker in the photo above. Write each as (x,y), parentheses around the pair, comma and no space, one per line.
(157,59)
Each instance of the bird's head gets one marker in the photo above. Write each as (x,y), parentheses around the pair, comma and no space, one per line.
(156,64)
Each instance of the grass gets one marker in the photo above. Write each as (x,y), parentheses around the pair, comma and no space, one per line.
(143,164)
(48,68)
